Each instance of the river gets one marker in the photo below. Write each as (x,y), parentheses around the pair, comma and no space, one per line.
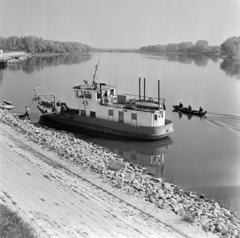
(202,155)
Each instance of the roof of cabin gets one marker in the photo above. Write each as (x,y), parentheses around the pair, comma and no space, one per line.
(89,87)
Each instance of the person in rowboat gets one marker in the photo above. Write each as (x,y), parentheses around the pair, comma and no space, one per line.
(180,105)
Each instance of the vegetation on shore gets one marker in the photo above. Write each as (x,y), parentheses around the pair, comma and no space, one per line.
(33,44)
(12,225)
(229,46)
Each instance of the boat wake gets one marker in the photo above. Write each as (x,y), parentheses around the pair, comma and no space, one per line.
(228,121)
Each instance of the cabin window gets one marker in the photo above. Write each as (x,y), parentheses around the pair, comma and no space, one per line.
(110,112)
(112,92)
(79,94)
(88,94)
(155,117)
(106,93)
(83,112)
(92,114)
(134,116)
(120,117)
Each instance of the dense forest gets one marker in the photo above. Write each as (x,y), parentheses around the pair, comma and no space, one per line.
(33,44)
(201,46)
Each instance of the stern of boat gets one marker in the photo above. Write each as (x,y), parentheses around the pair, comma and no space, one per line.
(168,126)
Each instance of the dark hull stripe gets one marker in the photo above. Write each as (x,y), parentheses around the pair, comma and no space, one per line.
(77,122)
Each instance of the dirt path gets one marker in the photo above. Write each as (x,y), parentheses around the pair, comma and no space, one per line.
(61,200)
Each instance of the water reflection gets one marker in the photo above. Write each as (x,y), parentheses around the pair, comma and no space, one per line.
(231,67)
(199,60)
(189,116)
(180,114)
(37,63)
(148,154)
(1,76)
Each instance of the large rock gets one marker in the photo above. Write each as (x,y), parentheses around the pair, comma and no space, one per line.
(115,165)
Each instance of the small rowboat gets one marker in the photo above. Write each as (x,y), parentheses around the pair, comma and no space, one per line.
(186,111)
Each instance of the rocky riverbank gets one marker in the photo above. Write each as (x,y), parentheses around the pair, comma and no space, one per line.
(193,209)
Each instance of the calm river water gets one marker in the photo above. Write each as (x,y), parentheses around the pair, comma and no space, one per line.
(202,155)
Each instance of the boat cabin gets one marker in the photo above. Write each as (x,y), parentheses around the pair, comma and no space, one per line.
(102,102)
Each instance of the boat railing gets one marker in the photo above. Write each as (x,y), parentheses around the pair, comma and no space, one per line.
(142,98)
(131,101)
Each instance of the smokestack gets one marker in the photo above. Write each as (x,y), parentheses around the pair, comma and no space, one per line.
(158,92)
(101,84)
(144,88)
(139,88)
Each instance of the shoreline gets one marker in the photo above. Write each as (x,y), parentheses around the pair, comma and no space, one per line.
(48,54)
(186,207)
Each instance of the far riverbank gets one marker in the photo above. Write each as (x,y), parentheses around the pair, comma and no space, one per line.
(47,54)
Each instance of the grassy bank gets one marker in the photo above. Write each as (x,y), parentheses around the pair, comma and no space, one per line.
(13,226)
(190,207)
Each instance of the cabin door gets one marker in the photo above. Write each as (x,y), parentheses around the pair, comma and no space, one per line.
(110,115)
(120,117)
(134,119)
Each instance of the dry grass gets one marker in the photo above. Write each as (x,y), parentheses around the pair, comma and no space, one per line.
(12,225)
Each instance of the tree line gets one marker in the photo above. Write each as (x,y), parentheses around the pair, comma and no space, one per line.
(230,45)
(33,44)
(201,46)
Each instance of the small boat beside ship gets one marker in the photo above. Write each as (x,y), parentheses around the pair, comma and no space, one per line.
(191,112)
(6,105)
(101,109)
(3,63)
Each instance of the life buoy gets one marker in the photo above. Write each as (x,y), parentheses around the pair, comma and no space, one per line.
(85,103)
(133,103)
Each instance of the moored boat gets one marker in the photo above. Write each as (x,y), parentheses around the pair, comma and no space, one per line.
(191,112)
(101,109)
(3,63)
(6,105)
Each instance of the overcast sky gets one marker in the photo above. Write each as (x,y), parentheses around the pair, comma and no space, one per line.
(122,23)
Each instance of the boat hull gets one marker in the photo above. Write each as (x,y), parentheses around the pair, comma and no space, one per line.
(78,123)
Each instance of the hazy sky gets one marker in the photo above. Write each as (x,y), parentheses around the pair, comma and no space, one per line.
(122,23)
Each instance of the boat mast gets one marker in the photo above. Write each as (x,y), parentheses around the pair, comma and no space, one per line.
(95,72)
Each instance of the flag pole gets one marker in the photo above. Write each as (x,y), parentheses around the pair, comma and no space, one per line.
(38,90)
